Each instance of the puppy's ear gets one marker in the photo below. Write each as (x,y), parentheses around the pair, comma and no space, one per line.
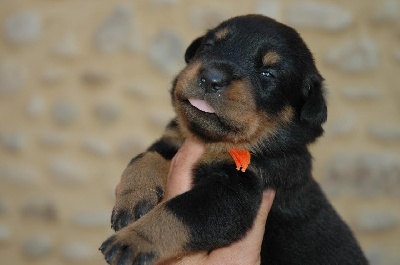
(191,50)
(314,110)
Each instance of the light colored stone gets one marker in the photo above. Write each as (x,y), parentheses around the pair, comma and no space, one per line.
(5,234)
(387,11)
(164,3)
(203,18)
(3,207)
(52,75)
(373,220)
(376,256)
(316,15)
(138,91)
(118,31)
(396,258)
(92,219)
(130,146)
(396,55)
(166,52)
(375,174)
(270,8)
(387,133)
(14,142)
(40,208)
(35,107)
(23,27)
(160,120)
(65,112)
(361,93)
(67,172)
(341,127)
(96,147)
(358,55)
(77,251)
(107,112)
(66,47)
(38,246)
(12,76)
(17,174)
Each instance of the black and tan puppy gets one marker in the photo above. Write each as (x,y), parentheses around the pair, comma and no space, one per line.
(250,91)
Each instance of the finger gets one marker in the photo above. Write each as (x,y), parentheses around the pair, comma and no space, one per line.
(258,229)
(198,258)
(265,207)
(180,174)
(117,189)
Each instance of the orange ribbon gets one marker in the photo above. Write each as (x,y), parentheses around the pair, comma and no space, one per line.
(241,158)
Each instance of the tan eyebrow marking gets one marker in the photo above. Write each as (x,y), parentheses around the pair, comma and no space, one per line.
(271,58)
(222,33)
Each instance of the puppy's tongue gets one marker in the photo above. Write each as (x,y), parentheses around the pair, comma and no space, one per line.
(201,105)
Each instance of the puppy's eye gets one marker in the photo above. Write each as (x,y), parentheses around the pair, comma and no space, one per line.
(268,73)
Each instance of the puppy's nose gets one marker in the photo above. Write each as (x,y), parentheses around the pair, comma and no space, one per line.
(212,80)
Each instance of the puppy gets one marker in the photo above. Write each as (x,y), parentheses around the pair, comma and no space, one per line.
(252,93)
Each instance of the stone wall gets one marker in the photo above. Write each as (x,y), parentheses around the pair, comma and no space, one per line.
(84,86)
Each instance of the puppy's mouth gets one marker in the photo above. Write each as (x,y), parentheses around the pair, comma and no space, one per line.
(201,105)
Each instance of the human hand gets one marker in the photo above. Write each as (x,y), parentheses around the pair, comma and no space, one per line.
(245,251)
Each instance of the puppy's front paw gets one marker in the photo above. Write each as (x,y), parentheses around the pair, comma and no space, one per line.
(140,189)
(156,237)
(129,247)
(133,204)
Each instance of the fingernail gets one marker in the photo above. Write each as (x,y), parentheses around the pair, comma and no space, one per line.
(269,193)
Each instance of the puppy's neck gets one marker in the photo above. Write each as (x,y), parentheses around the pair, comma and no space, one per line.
(219,147)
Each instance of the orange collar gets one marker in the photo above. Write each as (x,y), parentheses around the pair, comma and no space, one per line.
(241,158)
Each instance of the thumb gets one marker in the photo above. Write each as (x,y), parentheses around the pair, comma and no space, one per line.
(265,207)
(179,178)
(257,232)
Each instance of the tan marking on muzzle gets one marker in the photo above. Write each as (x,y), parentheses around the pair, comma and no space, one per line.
(187,77)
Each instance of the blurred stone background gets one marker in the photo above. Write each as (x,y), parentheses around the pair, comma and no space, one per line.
(84,87)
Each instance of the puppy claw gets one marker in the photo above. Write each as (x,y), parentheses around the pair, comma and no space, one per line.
(121,249)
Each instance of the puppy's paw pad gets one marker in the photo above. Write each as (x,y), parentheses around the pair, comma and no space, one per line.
(132,205)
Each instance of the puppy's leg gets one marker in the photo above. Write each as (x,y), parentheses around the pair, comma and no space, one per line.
(142,182)
(156,236)
(218,211)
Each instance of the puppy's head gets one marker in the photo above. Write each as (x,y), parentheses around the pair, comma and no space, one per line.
(248,81)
